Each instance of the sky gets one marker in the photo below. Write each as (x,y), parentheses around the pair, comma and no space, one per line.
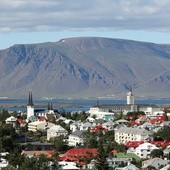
(36,21)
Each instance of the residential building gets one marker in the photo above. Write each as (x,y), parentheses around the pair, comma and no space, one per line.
(37,153)
(11,120)
(3,163)
(125,134)
(39,125)
(76,138)
(128,167)
(144,150)
(56,131)
(86,126)
(166,151)
(155,162)
(109,125)
(75,126)
(76,154)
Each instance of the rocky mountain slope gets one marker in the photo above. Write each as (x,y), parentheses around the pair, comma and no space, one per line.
(85,67)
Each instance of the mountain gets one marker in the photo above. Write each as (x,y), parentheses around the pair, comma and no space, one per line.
(86,67)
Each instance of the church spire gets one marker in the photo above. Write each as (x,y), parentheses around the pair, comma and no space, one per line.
(30,102)
(51,106)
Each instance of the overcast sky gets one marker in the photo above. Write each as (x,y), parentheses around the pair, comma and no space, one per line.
(33,21)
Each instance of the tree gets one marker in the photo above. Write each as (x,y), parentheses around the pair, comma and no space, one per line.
(59,143)
(164,133)
(101,160)
(90,140)
(156,153)
(151,167)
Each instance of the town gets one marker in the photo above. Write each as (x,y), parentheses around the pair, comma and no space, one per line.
(107,137)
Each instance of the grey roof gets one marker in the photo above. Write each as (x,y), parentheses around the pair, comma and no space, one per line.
(78,133)
(134,131)
(156,162)
(165,167)
(87,124)
(109,123)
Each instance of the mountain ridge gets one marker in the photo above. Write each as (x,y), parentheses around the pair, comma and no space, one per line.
(85,67)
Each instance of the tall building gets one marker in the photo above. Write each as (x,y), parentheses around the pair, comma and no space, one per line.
(130,98)
(30,106)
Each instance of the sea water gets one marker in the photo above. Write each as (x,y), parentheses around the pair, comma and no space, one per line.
(69,104)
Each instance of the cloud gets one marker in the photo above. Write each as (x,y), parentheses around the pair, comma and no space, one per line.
(52,15)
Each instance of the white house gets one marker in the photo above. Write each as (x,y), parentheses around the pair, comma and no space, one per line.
(95,111)
(109,125)
(76,138)
(11,120)
(39,125)
(67,165)
(75,126)
(144,150)
(85,126)
(3,163)
(125,134)
(56,131)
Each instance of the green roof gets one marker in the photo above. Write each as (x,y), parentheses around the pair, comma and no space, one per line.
(127,155)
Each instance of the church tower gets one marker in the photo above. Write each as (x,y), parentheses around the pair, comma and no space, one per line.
(50,108)
(30,106)
(130,98)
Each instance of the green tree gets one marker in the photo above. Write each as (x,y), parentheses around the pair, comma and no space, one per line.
(59,143)
(101,160)
(156,153)
(90,140)
(164,133)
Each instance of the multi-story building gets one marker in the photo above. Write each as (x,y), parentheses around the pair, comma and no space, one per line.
(125,134)
(144,150)
(76,138)
(56,131)
(39,125)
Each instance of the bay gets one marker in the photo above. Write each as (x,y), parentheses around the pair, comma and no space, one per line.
(69,105)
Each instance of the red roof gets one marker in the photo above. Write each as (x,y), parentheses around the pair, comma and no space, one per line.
(135,144)
(114,151)
(98,128)
(42,119)
(156,120)
(21,121)
(161,143)
(132,122)
(76,153)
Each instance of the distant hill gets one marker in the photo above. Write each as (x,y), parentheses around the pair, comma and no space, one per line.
(86,67)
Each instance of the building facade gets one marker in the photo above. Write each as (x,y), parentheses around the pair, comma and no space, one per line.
(125,134)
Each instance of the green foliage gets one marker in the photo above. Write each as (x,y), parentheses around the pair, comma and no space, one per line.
(4,114)
(156,153)
(151,167)
(59,144)
(7,137)
(90,140)
(164,133)
(101,160)
(134,115)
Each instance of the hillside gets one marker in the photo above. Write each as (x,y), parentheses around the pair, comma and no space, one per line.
(86,67)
